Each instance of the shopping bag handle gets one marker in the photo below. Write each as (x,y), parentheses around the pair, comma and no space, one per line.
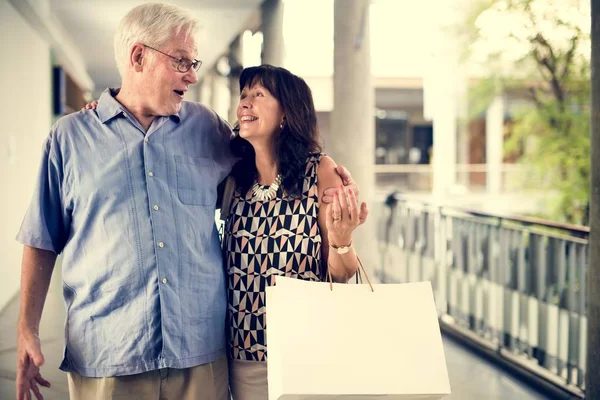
(358,275)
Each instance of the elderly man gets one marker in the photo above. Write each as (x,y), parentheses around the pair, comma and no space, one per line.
(127,194)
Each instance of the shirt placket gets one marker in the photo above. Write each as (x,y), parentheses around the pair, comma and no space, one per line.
(158,188)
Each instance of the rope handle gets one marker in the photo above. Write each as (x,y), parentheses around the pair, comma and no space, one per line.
(358,275)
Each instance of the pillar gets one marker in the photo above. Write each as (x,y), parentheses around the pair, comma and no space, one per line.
(272,28)
(206,89)
(235,65)
(219,96)
(494,144)
(352,139)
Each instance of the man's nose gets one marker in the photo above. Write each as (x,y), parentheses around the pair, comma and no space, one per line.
(191,76)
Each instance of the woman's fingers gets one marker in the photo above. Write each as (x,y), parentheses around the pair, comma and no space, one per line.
(329,216)
(352,205)
(364,212)
(337,208)
(343,199)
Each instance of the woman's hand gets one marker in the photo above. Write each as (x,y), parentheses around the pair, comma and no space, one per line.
(343,216)
(349,183)
(90,106)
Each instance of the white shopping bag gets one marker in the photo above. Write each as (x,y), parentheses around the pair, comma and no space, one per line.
(353,342)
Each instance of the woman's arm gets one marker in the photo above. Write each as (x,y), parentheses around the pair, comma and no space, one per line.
(337,222)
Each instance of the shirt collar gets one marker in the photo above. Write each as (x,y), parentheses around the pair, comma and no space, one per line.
(109,108)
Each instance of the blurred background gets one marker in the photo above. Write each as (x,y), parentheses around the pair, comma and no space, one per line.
(465,122)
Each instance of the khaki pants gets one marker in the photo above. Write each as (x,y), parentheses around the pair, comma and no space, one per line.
(203,382)
(248,380)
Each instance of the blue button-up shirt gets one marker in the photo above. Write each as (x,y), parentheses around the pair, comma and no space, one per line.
(133,214)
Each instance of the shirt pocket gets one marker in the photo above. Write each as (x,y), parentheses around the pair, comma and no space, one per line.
(196,180)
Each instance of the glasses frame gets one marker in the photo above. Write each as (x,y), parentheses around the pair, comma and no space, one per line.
(182,62)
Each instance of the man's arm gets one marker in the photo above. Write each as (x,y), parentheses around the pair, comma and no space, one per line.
(36,272)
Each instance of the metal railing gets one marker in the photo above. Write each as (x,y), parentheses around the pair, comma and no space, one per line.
(515,284)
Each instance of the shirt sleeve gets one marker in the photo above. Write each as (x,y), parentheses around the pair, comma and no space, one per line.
(46,222)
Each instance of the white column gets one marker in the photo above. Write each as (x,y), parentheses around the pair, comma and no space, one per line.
(235,64)
(444,135)
(220,95)
(206,89)
(463,140)
(494,144)
(442,104)
(352,139)
(442,96)
(272,28)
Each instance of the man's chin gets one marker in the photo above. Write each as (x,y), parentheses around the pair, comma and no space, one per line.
(174,109)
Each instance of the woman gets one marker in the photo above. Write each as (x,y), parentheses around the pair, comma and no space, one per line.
(277,225)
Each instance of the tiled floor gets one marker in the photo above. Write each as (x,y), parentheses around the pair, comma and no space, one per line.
(471,377)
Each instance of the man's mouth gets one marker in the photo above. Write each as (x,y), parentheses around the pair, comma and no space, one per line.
(179,92)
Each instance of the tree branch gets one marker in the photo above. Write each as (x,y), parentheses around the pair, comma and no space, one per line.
(535,98)
(550,64)
(569,58)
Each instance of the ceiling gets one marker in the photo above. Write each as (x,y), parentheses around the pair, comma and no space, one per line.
(91,24)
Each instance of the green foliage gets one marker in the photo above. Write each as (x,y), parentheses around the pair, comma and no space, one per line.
(552,74)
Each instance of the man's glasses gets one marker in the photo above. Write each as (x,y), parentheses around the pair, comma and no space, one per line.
(183,64)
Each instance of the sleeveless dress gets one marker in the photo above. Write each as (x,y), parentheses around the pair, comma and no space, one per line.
(262,240)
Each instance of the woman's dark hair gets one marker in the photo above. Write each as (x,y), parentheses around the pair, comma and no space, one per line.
(299,137)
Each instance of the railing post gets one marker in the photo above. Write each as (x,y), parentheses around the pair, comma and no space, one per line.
(441,263)
(586,327)
(523,289)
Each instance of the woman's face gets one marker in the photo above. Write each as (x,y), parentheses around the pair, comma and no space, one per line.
(259,113)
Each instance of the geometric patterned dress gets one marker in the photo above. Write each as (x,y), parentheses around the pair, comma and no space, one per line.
(263,240)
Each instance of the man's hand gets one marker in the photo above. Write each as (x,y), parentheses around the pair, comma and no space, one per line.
(36,272)
(349,183)
(29,361)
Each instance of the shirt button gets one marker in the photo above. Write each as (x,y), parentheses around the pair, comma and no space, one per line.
(150,173)
(146,140)
(155,207)
(164,280)
(161,244)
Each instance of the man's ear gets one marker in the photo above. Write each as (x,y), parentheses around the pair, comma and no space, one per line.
(137,56)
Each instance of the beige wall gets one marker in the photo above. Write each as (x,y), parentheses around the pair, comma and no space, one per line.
(25,115)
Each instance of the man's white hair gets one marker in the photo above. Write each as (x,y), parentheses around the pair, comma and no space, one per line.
(152,24)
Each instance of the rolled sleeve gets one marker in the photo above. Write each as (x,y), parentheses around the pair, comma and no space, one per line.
(46,222)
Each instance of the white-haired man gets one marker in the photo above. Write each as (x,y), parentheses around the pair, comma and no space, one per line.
(127,193)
